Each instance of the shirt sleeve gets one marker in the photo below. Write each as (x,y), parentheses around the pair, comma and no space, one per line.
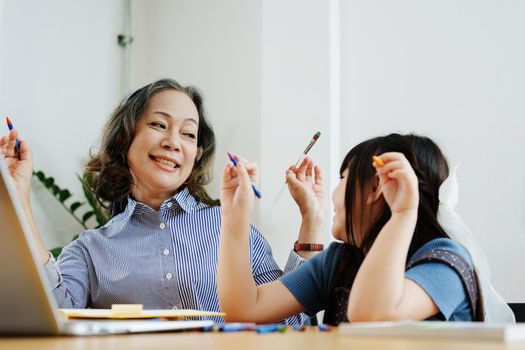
(441,283)
(294,260)
(310,282)
(52,272)
(264,267)
(69,277)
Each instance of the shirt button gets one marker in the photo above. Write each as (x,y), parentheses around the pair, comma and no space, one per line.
(162,225)
(169,276)
(165,252)
(170,205)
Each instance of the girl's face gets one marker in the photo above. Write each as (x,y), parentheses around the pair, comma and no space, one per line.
(366,209)
(338,198)
(164,147)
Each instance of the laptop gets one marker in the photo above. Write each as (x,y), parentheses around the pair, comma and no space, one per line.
(27,305)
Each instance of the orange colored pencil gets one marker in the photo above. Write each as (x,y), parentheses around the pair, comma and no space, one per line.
(377,161)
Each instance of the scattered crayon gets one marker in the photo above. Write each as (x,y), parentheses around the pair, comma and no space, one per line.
(325,328)
(236,327)
(270,328)
(281,329)
(299,328)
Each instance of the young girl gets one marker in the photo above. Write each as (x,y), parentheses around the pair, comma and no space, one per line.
(160,247)
(395,262)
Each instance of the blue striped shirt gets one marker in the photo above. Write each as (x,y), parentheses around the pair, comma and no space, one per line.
(160,259)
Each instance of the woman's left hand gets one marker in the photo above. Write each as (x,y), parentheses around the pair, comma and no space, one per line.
(398,182)
(237,197)
(20,168)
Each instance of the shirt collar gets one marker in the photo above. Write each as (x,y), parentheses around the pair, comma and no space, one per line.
(182,199)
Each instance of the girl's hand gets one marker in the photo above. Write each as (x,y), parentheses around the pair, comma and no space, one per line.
(237,197)
(21,170)
(306,187)
(398,182)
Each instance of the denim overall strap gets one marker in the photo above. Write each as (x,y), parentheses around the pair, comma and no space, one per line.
(462,268)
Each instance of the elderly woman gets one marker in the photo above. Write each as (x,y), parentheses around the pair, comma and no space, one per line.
(160,247)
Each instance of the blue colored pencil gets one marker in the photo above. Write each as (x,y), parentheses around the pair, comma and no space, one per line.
(325,327)
(17,145)
(267,328)
(254,186)
(236,327)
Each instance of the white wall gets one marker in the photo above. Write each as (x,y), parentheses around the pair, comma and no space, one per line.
(453,70)
(59,80)
(295,104)
(214,45)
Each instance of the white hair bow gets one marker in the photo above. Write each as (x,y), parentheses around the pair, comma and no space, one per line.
(495,307)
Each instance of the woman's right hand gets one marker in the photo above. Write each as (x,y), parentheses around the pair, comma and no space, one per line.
(21,170)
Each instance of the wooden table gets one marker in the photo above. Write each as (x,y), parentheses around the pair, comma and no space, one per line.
(309,339)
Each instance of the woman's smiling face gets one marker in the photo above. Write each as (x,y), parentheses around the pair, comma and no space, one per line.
(164,147)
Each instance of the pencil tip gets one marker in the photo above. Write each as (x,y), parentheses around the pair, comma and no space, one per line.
(377,161)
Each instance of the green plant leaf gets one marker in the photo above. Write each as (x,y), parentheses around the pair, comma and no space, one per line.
(55,189)
(87,215)
(48,182)
(56,251)
(40,175)
(75,206)
(63,195)
(100,214)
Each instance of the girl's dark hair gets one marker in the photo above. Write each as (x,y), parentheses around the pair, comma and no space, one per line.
(431,169)
(107,173)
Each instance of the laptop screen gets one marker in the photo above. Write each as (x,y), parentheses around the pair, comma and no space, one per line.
(26,305)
